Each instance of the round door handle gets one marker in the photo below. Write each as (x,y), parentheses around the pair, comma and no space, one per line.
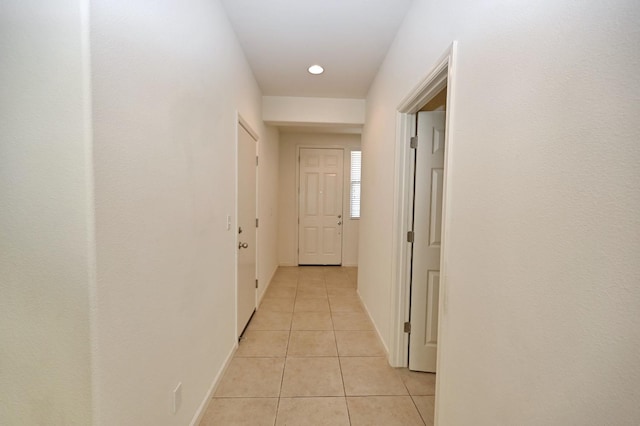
(340,223)
(243,245)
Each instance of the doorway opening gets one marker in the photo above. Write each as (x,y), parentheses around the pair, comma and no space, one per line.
(247,238)
(438,86)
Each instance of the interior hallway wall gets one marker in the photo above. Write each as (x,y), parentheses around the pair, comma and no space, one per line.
(540,321)
(168,78)
(288,209)
(45,215)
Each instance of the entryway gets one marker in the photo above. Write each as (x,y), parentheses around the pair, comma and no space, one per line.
(320,200)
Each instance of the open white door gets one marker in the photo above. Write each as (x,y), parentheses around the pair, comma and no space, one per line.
(427,228)
(246,242)
(320,211)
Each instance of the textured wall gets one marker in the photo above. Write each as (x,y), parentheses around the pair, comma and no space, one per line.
(286,110)
(45,217)
(168,78)
(541,321)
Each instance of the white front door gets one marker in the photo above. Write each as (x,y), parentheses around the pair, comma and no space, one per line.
(246,241)
(427,228)
(320,210)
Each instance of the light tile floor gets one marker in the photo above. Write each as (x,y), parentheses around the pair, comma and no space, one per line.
(310,356)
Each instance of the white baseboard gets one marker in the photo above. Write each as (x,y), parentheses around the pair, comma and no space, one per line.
(375,326)
(350,265)
(216,381)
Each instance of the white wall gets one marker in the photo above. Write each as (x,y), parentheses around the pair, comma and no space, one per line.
(168,78)
(268,187)
(45,218)
(288,209)
(541,321)
(287,110)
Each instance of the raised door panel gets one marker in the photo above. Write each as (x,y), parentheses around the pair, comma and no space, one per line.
(329,239)
(311,240)
(330,195)
(435,208)
(433,295)
(312,191)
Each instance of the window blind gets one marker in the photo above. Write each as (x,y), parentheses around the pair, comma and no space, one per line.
(356,167)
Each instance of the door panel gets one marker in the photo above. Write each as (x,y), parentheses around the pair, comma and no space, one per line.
(320,206)
(311,240)
(433,290)
(329,240)
(330,196)
(435,213)
(246,267)
(427,227)
(312,188)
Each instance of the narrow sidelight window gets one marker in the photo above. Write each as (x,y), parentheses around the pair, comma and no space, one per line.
(354,202)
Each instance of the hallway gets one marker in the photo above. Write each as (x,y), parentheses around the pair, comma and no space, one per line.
(310,356)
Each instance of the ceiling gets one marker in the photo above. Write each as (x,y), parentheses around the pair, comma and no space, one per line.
(349,38)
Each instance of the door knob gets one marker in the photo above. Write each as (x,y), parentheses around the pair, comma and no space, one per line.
(243,245)
(340,223)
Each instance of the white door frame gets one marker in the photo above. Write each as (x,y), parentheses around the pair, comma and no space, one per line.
(327,146)
(442,74)
(242,122)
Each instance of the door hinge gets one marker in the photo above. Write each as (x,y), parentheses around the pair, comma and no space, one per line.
(256,283)
(407,327)
(410,236)
(256,160)
(413,142)
(256,222)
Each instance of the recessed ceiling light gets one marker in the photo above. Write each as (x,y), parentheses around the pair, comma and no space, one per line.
(316,69)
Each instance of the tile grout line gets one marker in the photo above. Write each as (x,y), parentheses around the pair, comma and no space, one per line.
(286,355)
(333,328)
(411,397)
(344,388)
(415,405)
